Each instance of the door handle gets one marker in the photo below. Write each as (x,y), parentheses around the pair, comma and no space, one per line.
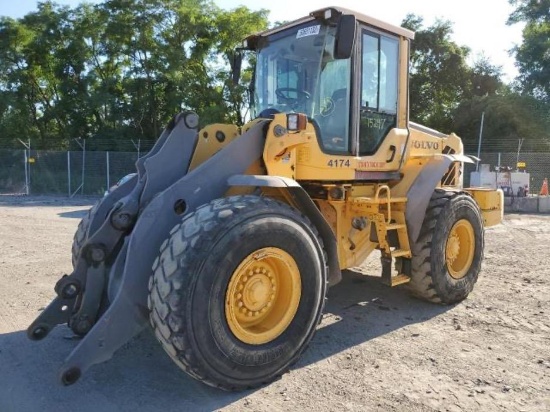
(393,151)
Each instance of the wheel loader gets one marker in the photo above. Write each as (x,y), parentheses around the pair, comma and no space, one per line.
(225,241)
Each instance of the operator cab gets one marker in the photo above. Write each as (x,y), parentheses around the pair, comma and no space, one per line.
(339,68)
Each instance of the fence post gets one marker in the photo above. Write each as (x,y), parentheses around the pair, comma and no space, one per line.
(69,173)
(83,166)
(137,146)
(108,170)
(26,160)
(26,156)
(520,143)
(479,142)
(83,147)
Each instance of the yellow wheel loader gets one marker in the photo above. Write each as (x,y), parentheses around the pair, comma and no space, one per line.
(225,241)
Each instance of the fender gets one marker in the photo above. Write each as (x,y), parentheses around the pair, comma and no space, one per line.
(420,192)
(303,202)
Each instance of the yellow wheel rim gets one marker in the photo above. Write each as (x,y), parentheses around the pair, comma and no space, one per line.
(263,296)
(460,248)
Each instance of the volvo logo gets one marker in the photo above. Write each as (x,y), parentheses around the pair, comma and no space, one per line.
(418,144)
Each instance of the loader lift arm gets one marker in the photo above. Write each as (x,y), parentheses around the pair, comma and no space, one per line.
(157,197)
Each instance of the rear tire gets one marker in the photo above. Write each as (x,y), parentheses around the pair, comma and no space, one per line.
(448,253)
(227,247)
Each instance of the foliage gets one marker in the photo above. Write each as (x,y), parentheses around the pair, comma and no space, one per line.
(449,95)
(533,54)
(509,117)
(440,77)
(119,69)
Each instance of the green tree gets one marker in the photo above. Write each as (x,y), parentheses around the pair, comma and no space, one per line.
(439,75)
(119,69)
(533,54)
(508,118)
(485,78)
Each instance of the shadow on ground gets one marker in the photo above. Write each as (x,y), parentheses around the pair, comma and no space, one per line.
(74,214)
(363,309)
(34,201)
(142,377)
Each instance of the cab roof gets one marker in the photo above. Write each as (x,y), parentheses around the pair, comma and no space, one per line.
(332,11)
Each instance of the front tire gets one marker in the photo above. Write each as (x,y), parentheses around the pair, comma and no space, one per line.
(238,290)
(447,255)
(81,232)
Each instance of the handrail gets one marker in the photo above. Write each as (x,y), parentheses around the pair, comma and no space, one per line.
(388,197)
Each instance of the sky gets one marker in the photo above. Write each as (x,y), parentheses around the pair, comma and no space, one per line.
(478,24)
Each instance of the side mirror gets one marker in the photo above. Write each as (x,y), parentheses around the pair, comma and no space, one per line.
(236,64)
(345,37)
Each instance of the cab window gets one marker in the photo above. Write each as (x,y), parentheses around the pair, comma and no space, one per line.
(334,106)
(379,74)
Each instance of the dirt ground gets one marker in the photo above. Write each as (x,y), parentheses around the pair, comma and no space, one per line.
(376,349)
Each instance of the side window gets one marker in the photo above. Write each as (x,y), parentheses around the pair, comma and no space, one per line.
(378,90)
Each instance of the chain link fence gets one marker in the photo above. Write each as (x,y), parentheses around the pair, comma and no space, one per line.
(92,172)
(62,173)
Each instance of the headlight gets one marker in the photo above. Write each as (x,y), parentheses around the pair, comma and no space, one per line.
(296,121)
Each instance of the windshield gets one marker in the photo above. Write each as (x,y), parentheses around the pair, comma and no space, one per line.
(296,72)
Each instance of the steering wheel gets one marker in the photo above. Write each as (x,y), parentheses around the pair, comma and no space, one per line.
(282,93)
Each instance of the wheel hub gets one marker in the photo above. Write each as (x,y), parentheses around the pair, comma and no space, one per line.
(453,248)
(460,249)
(258,291)
(263,296)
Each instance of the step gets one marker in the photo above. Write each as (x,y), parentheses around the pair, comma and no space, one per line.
(395,226)
(381,200)
(399,280)
(401,253)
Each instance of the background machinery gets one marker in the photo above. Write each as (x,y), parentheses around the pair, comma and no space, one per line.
(227,238)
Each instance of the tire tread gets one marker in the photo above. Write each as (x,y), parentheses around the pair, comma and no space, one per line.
(421,283)
(195,231)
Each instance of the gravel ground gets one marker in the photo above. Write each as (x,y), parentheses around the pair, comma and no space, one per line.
(376,349)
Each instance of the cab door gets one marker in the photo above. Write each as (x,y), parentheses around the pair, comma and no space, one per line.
(382,131)
(361,126)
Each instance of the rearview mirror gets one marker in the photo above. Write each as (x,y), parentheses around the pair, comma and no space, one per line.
(345,37)
(236,66)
